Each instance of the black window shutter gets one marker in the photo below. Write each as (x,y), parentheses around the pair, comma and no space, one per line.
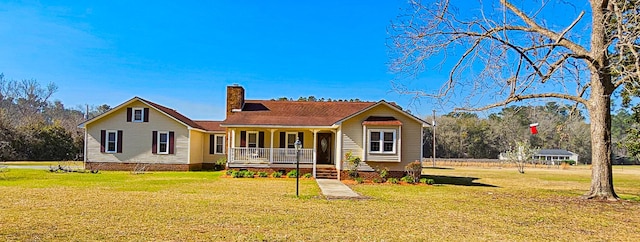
(261,139)
(154,142)
(146,115)
(212,146)
(119,146)
(282,139)
(243,138)
(129,114)
(171,143)
(103,137)
(301,137)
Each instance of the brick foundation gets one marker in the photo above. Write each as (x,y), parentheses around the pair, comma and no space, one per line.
(272,170)
(370,175)
(112,166)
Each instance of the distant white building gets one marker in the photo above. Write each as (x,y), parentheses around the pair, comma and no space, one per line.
(550,156)
(555,155)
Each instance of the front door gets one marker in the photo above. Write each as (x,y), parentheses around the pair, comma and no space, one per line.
(323,148)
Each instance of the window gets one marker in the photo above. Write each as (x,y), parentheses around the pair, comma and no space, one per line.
(291,140)
(382,141)
(216,144)
(112,141)
(163,142)
(252,139)
(138,115)
(219,144)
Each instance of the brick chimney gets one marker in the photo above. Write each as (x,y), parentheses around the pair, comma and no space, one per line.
(235,99)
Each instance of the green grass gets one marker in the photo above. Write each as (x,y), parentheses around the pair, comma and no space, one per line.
(468,204)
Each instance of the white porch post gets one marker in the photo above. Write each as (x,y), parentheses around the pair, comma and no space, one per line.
(399,148)
(271,147)
(231,146)
(364,143)
(339,151)
(315,151)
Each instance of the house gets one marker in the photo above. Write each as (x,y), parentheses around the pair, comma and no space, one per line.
(256,135)
(142,133)
(549,156)
(554,156)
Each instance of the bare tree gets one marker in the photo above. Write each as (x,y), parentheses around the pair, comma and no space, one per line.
(505,52)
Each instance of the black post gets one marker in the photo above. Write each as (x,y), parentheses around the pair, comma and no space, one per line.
(297,170)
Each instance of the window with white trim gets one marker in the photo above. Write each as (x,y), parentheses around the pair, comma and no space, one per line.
(112,141)
(138,115)
(252,139)
(382,141)
(219,144)
(163,142)
(290,141)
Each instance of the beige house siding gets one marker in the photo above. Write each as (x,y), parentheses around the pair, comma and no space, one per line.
(212,158)
(137,140)
(408,148)
(196,147)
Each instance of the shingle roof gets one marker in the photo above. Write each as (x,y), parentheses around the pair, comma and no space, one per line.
(210,125)
(548,152)
(294,113)
(173,113)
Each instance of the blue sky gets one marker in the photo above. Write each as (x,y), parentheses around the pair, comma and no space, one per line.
(182,54)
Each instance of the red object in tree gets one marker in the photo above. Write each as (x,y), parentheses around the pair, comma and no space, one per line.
(533,128)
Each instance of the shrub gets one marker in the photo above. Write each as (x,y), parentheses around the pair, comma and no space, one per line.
(220,164)
(393,180)
(308,175)
(276,174)
(262,174)
(569,162)
(292,174)
(384,172)
(414,170)
(237,174)
(359,180)
(423,180)
(429,181)
(407,179)
(377,180)
(249,174)
(229,172)
(353,162)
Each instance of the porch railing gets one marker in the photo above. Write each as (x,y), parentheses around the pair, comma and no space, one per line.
(263,156)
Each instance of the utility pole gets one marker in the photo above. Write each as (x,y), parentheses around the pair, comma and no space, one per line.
(433,123)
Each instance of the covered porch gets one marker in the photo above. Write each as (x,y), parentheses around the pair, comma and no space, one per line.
(257,147)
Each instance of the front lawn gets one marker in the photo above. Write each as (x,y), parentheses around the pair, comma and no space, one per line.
(473,204)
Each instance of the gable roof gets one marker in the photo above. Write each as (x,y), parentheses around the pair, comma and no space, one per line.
(390,105)
(171,113)
(293,113)
(300,113)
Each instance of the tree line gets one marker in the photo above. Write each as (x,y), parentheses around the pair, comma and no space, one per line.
(32,127)
(465,135)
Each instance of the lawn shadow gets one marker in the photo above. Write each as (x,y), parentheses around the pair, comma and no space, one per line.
(457,180)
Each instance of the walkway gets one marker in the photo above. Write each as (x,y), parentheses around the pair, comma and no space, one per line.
(334,189)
